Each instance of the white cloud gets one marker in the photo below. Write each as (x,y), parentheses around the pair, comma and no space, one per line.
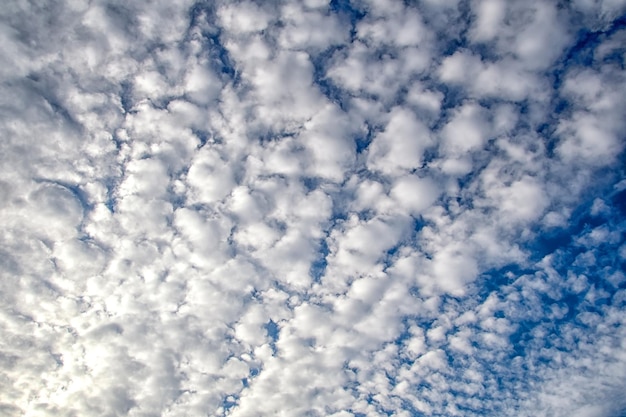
(586,140)
(502,79)
(453,269)
(489,17)
(328,138)
(414,194)
(522,200)
(317,208)
(468,130)
(401,145)
(244,17)
(310,30)
(210,177)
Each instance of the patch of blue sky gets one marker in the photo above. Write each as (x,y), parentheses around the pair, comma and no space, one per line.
(347,11)
(220,56)
(201,22)
(228,403)
(318,266)
(273,331)
(321,62)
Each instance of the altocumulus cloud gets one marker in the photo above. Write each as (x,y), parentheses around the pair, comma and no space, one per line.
(340,208)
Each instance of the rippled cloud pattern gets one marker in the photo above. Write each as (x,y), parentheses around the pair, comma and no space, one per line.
(346,208)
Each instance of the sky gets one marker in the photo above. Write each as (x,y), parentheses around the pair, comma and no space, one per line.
(345,208)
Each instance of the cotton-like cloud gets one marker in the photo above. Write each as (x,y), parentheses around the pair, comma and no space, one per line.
(318,208)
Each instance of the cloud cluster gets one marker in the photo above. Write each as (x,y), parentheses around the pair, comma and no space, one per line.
(345,208)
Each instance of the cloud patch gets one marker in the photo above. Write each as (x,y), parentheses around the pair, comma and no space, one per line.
(344,208)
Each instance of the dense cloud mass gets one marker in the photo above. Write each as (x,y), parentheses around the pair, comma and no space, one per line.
(340,208)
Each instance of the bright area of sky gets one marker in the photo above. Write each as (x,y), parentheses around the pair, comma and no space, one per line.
(349,208)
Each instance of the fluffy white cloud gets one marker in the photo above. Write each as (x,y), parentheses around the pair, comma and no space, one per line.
(400,147)
(362,208)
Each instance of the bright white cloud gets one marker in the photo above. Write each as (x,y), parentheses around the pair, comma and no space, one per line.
(401,145)
(347,209)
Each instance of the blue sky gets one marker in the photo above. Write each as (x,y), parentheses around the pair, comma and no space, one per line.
(350,208)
